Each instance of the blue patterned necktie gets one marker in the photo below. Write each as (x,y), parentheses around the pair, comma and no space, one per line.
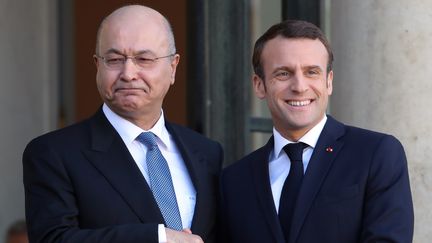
(160,182)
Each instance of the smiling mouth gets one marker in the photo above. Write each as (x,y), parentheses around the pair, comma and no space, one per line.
(299,103)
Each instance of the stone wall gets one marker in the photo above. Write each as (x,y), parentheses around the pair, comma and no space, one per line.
(383,71)
(28,99)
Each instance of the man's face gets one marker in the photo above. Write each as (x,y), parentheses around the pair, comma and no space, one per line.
(296,85)
(132,91)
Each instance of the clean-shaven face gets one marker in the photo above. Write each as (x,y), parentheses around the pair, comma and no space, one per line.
(131,91)
(296,85)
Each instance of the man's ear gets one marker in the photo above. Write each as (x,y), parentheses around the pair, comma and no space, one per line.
(259,86)
(96,60)
(329,82)
(174,62)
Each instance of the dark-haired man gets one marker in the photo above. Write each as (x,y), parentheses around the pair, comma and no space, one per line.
(316,180)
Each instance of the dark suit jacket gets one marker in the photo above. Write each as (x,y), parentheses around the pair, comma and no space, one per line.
(82,185)
(356,189)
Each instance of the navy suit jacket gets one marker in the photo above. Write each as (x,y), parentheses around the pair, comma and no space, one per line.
(82,185)
(355,189)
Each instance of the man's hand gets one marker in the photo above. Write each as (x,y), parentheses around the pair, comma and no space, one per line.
(184,236)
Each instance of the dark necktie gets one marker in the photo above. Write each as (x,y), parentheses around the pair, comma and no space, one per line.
(291,186)
(160,182)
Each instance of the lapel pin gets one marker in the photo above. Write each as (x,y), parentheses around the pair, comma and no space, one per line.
(329,149)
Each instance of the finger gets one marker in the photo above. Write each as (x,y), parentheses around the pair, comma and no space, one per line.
(187,230)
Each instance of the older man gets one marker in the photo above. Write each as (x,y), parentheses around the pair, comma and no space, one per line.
(125,174)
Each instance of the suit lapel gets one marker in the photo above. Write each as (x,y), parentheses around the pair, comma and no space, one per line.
(195,164)
(261,178)
(325,152)
(111,157)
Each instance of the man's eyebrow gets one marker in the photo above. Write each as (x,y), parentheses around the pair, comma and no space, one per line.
(284,68)
(312,67)
(115,51)
(144,52)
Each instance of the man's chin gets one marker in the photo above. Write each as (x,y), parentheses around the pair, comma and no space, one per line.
(298,123)
(124,107)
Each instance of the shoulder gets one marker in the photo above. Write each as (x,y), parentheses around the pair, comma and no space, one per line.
(190,136)
(371,138)
(376,150)
(189,140)
(74,135)
(359,136)
(384,149)
(246,160)
(245,164)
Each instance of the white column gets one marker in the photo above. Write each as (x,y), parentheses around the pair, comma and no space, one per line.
(28,91)
(383,81)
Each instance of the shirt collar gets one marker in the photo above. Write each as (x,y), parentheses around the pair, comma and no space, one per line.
(310,138)
(129,131)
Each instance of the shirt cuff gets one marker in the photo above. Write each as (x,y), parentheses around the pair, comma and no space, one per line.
(162,233)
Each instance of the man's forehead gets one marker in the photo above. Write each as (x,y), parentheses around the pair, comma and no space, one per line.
(133,17)
(138,34)
(133,12)
(292,53)
(295,47)
(284,41)
(134,28)
(140,23)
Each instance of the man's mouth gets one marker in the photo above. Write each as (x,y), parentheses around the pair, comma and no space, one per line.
(299,103)
(129,89)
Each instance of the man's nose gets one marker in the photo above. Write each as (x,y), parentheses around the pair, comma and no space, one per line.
(299,83)
(130,70)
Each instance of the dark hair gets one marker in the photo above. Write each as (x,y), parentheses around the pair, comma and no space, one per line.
(295,29)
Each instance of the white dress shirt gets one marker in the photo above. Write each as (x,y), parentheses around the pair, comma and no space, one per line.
(279,162)
(183,186)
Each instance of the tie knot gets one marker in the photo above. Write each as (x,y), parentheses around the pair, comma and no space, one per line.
(295,151)
(148,139)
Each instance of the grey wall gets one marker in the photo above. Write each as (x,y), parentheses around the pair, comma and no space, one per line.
(383,71)
(28,91)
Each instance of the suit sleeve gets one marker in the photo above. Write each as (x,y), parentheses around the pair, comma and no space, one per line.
(52,211)
(223,235)
(388,210)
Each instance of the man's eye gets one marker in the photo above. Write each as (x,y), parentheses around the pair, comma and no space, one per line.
(283,75)
(144,60)
(313,72)
(115,60)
